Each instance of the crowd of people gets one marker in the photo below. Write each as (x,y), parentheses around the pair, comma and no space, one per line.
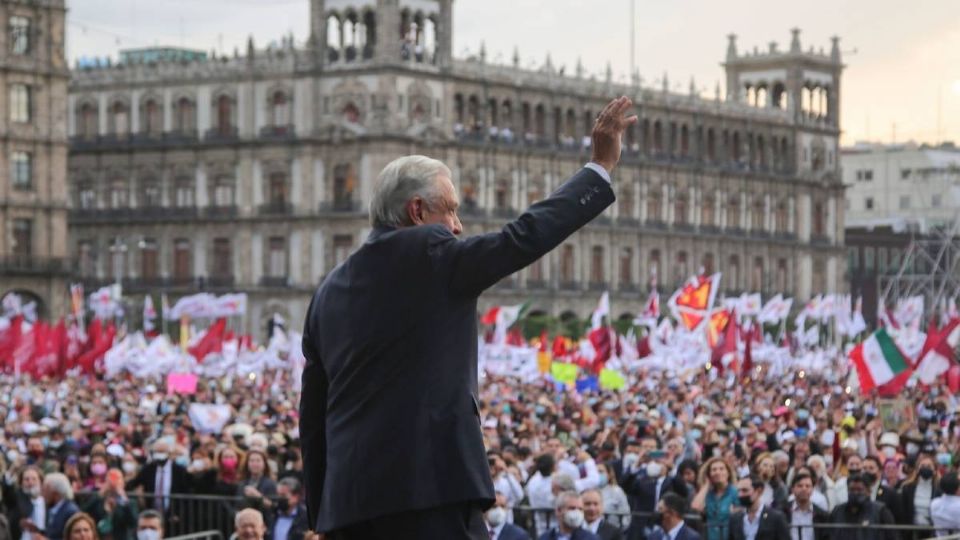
(668,457)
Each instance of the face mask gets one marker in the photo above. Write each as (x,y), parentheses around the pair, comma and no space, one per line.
(182,461)
(890,452)
(745,501)
(148,534)
(283,505)
(129,467)
(604,480)
(943,458)
(160,457)
(229,463)
(912,449)
(654,469)
(926,473)
(857,499)
(869,478)
(696,434)
(630,458)
(98,469)
(573,518)
(496,516)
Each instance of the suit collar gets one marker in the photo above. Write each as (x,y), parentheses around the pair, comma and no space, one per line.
(379,231)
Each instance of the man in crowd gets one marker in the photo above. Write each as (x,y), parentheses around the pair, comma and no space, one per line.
(756,521)
(803,515)
(860,510)
(249,525)
(570,520)
(290,515)
(878,492)
(593,516)
(496,521)
(60,506)
(671,509)
(150,525)
(945,510)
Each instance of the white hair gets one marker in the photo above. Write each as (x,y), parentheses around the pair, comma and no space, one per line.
(60,484)
(252,512)
(401,180)
(564,497)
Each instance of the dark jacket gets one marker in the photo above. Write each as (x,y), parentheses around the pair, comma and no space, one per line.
(773,525)
(180,481)
(685,533)
(17,506)
(606,531)
(820,517)
(512,532)
(907,508)
(390,340)
(892,500)
(579,534)
(121,524)
(298,528)
(56,521)
(871,514)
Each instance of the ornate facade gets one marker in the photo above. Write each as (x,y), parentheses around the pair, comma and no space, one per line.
(33,153)
(253,172)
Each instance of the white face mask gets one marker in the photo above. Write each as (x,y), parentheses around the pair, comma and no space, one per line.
(496,516)
(148,534)
(889,451)
(630,459)
(654,469)
(573,518)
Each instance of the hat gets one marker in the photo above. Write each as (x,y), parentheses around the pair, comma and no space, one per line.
(850,444)
(787,436)
(490,423)
(115,450)
(889,439)
(240,430)
(848,421)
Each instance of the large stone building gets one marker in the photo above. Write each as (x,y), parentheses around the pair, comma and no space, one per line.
(253,172)
(33,153)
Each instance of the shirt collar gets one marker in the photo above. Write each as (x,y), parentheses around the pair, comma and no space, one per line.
(796,506)
(379,231)
(672,533)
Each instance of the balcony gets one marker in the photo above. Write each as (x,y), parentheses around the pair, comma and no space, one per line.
(684,227)
(281,132)
(275,281)
(628,222)
(597,286)
(504,212)
(536,284)
(820,240)
(225,211)
(604,221)
(628,288)
(222,134)
(709,229)
(138,140)
(569,286)
(656,224)
(343,206)
(471,209)
(760,234)
(275,208)
(785,236)
(224,281)
(34,265)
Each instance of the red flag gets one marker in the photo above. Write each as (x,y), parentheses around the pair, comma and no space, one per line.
(9,339)
(643,347)
(211,342)
(490,317)
(559,347)
(726,345)
(22,357)
(46,353)
(543,340)
(515,338)
(600,339)
(747,354)
(99,342)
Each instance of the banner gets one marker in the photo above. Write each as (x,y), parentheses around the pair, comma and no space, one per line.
(208,418)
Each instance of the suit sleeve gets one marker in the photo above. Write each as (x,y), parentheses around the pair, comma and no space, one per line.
(783,530)
(479,262)
(313,428)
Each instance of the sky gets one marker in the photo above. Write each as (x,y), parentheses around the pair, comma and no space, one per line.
(902,80)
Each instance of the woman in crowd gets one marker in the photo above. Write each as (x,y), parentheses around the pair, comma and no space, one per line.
(97,472)
(256,483)
(919,490)
(614,499)
(22,499)
(774,492)
(80,527)
(716,496)
(114,513)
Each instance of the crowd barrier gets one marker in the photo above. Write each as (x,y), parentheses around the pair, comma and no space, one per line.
(210,517)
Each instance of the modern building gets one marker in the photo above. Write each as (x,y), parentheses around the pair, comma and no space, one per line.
(253,172)
(34,77)
(902,185)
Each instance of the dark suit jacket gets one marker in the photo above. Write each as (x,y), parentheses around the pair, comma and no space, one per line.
(579,534)
(773,525)
(891,499)
(297,530)
(391,344)
(606,531)
(512,532)
(685,533)
(907,507)
(17,506)
(820,516)
(180,482)
(53,529)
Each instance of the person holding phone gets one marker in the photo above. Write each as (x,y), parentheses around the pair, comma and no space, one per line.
(113,512)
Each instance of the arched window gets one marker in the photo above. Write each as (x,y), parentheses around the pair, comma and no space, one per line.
(280,111)
(756,275)
(733,272)
(225,116)
(344,183)
(733,212)
(707,263)
(757,215)
(567,262)
(351,113)
(334,38)
(597,271)
(657,138)
(185,119)
(684,141)
(152,118)
(711,145)
(119,119)
(707,212)
(680,210)
(87,121)
(654,205)
(653,264)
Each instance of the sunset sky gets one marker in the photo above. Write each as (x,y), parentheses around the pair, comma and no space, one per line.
(903,60)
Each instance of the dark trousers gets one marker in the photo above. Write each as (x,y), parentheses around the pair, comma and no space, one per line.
(462,521)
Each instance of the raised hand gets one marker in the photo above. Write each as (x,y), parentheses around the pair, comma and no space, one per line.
(608,131)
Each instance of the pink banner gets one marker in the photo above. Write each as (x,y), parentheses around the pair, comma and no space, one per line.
(181,383)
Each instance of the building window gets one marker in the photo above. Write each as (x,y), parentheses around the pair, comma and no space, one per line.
(224,116)
(883,259)
(869,259)
(708,212)
(596,265)
(88,197)
(181,259)
(342,244)
(120,118)
(905,174)
(344,182)
(868,203)
(222,258)
(733,271)
(149,261)
(758,215)
(278,189)
(118,194)
(654,262)
(87,122)
(184,193)
(904,202)
(626,267)
(185,118)
(278,257)
(151,194)
(21,173)
(20,103)
(853,258)
(680,209)
(86,258)
(152,118)
(756,277)
(625,199)
(19,35)
(782,218)
(223,192)
(22,238)
(782,273)
(500,195)
(280,109)
(733,212)
(864,175)
(682,270)
(535,273)
(935,201)
(567,265)
(707,263)
(653,206)
(819,220)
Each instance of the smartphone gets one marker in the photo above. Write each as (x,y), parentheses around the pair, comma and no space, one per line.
(657,454)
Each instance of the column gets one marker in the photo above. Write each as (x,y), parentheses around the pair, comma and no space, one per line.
(201,195)
(296,258)
(256,257)
(317,260)
(296,185)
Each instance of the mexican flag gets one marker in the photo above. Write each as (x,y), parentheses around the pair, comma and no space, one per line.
(877,360)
